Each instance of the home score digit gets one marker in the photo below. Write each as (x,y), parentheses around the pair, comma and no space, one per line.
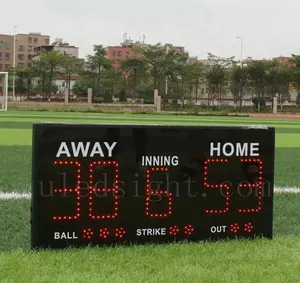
(122,184)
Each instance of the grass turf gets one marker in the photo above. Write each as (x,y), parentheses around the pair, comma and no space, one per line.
(233,261)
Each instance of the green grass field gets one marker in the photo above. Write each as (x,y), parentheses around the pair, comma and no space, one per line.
(276,260)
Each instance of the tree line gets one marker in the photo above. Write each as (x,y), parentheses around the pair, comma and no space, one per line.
(157,67)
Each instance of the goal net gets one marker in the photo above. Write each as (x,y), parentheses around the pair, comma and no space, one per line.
(3,90)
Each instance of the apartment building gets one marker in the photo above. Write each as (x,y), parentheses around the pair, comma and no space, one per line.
(116,54)
(6,52)
(25,44)
(63,48)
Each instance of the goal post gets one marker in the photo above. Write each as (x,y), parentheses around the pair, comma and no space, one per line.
(3,91)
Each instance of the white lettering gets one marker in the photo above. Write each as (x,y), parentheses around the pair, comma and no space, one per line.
(110,148)
(217,229)
(241,149)
(80,147)
(151,232)
(224,149)
(160,160)
(65,235)
(254,147)
(213,148)
(237,149)
(63,149)
(97,150)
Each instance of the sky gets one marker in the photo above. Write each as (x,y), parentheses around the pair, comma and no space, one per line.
(269,28)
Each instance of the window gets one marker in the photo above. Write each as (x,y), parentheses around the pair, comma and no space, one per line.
(114,53)
(30,56)
(47,41)
(7,67)
(119,53)
(29,48)
(35,40)
(1,67)
(21,47)
(1,43)
(7,44)
(1,55)
(7,56)
(29,39)
(21,57)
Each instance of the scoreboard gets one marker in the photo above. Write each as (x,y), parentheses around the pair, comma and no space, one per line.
(97,184)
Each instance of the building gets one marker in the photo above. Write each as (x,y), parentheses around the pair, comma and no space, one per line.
(174,48)
(25,45)
(6,52)
(116,54)
(63,48)
(126,49)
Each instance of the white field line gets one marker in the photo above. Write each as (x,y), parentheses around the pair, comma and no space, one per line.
(15,195)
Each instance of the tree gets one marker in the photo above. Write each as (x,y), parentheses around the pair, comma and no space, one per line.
(82,85)
(135,70)
(71,66)
(295,74)
(196,76)
(239,81)
(98,62)
(155,57)
(52,63)
(178,70)
(259,79)
(112,80)
(217,77)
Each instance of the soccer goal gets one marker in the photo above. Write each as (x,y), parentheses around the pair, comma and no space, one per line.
(3,90)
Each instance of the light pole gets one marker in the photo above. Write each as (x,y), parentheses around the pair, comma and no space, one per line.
(241,87)
(241,39)
(14,62)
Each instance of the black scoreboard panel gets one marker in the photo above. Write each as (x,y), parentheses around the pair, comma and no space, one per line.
(119,184)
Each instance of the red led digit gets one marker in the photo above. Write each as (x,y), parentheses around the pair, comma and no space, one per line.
(113,190)
(75,190)
(150,193)
(209,186)
(254,185)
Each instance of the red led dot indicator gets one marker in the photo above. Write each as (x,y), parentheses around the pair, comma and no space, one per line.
(248,227)
(174,230)
(104,233)
(88,233)
(188,229)
(234,228)
(120,232)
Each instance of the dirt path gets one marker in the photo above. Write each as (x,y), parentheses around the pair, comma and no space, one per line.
(276,116)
